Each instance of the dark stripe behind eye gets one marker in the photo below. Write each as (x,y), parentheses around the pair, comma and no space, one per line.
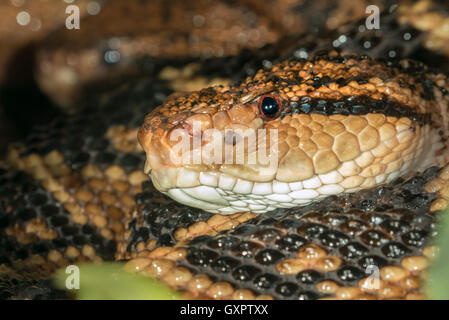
(353,105)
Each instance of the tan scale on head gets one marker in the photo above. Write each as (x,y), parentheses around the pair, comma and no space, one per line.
(343,124)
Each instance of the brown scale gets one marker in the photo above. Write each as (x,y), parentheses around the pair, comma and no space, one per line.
(318,251)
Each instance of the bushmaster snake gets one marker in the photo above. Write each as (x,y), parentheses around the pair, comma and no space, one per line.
(369,137)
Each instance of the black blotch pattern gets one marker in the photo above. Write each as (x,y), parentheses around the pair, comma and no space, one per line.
(23,207)
(354,105)
(377,227)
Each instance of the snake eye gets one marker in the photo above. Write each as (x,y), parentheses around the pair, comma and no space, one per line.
(269,106)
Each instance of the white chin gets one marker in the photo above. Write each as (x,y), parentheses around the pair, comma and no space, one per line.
(202,197)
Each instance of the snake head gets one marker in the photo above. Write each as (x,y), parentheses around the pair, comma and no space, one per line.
(290,135)
(205,130)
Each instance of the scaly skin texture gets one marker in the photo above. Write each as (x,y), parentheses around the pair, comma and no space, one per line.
(72,192)
(322,250)
(66,197)
(345,124)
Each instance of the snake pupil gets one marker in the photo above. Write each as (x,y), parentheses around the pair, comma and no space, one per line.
(269,106)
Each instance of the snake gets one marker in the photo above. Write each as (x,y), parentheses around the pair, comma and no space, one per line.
(358,179)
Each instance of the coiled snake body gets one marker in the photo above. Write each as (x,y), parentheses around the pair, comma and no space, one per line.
(360,172)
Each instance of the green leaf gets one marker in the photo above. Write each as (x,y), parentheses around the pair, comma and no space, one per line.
(438,281)
(108,281)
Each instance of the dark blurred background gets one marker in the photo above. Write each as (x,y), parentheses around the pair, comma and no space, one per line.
(47,69)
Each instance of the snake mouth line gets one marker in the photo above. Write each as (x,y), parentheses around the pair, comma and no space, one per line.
(227,192)
(307,169)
